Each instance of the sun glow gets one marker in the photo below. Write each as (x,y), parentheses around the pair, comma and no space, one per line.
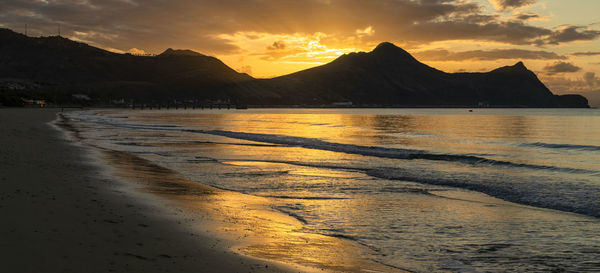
(270,55)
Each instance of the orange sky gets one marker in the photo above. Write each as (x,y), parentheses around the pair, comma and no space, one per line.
(557,39)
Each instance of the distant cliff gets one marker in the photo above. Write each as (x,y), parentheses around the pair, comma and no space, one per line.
(54,68)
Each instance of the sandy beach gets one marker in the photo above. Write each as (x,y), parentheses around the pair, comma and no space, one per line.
(62,212)
(112,190)
(300,136)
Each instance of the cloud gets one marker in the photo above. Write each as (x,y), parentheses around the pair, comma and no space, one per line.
(528,17)
(280,49)
(515,33)
(200,24)
(561,67)
(366,31)
(503,5)
(136,51)
(571,33)
(487,55)
(277,45)
(583,86)
(245,69)
(464,70)
(591,79)
(588,53)
(288,48)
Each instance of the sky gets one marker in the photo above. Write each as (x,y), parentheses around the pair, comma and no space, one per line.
(557,39)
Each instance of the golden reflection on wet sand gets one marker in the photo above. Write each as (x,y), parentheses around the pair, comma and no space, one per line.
(258,230)
(427,225)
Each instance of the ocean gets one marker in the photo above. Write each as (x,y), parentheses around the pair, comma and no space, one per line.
(424,190)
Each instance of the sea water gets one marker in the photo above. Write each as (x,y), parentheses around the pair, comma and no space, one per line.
(427,190)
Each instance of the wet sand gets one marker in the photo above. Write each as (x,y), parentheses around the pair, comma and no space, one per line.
(423,228)
(246,224)
(63,212)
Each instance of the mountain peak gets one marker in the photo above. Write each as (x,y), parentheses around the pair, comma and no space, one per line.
(388,48)
(385,46)
(518,67)
(394,55)
(179,52)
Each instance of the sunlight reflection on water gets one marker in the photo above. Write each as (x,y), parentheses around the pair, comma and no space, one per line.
(417,214)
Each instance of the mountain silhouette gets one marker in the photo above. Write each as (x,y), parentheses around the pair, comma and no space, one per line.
(179,52)
(390,76)
(60,67)
(55,68)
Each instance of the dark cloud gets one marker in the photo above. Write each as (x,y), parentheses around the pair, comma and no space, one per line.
(510,4)
(153,25)
(588,53)
(561,67)
(487,55)
(527,16)
(570,34)
(277,45)
(516,33)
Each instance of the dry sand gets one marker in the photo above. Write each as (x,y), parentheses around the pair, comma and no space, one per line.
(61,212)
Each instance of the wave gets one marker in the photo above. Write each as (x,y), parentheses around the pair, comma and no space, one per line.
(232,143)
(562,146)
(395,153)
(553,193)
(131,144)
(545,190)
(292,214)
(202,159)
(382,152)
(549,192)
(257,173)
(304,197)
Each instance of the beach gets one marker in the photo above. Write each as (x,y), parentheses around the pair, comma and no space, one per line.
(376,190)
(268,136)
(299,190)
(63,212)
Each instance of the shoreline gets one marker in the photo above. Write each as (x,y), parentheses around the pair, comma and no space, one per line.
(244,224)
(65,213)
(420,230)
